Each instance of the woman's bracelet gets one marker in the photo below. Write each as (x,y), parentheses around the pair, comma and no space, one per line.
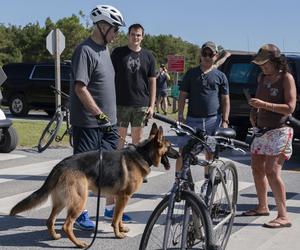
(272,108)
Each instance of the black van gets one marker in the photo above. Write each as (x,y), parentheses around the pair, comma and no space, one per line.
(28,86)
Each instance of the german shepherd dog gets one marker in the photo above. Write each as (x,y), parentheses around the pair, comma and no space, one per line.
(123,172)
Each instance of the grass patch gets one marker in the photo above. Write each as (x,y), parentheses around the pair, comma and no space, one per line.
(29,133)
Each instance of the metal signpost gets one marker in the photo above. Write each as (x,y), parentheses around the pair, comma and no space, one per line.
(175,65)
(55,44)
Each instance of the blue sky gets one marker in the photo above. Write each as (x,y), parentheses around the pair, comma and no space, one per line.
(235,24)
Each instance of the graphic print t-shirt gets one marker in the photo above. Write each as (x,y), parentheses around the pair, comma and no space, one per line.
(132,72)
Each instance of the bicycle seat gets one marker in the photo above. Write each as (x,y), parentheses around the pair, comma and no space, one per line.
(226,132)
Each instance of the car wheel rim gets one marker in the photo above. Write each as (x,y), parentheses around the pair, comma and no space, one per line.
(17,105)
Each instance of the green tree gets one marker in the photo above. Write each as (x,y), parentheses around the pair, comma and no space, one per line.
(74,33)
(8,50)
(28,43)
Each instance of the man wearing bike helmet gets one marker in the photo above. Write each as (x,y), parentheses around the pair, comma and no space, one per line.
(92,92)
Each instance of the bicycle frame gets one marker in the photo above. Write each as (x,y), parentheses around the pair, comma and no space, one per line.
(218,172)
(65,114)
(184,182)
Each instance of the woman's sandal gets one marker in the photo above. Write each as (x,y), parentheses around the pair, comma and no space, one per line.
(276,224)
(254,212)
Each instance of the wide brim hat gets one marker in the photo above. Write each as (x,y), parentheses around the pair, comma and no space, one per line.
(266,53)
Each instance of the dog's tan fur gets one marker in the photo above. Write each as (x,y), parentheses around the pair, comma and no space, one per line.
(70,181)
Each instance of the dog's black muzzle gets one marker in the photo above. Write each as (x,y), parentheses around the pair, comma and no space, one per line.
(172,153)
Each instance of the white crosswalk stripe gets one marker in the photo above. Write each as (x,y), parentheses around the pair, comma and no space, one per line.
(19,172)
(5,157)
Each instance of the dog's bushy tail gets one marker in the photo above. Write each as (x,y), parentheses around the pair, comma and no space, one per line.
(40,195)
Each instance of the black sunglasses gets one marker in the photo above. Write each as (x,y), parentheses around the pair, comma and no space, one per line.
(207,54)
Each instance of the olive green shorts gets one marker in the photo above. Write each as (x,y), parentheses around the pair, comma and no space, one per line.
(135,116)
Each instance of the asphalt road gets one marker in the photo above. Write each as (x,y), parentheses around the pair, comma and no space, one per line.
(23,171)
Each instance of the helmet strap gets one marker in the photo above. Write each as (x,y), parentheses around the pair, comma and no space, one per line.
(102,34)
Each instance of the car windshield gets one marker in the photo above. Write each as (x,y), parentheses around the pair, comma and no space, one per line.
(243,73)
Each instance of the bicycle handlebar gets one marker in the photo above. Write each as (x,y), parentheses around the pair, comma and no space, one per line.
(191,130)
(240,143)
(174,123)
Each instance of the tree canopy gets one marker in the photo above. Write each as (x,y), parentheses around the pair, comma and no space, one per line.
(28,43)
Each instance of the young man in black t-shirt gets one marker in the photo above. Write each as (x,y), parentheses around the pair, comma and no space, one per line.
(135,84)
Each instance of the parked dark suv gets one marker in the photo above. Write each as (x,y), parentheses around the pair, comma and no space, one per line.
(242,74)
(28,86)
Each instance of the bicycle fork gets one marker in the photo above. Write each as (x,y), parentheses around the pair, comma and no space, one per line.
(169,216)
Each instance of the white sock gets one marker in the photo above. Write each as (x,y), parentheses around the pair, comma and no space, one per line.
(110,207)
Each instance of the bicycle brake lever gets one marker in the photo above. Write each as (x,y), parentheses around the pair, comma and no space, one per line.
(240,150)
(179,132)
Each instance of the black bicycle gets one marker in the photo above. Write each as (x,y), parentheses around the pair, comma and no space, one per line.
(50,132)
(185,218)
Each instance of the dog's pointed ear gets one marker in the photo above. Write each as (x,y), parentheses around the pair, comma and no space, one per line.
(154,129)
(160,133)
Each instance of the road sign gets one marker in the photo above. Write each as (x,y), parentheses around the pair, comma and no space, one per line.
(2,76)
(175,63)
(55,42)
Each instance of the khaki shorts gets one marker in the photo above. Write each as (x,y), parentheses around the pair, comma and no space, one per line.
(135,116)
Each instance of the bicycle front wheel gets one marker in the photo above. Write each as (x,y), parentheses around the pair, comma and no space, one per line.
(190,223)
(50,132)
(222,202)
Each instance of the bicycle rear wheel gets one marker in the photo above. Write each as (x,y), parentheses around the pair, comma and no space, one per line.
(50,132)
(197,233)
(222,202)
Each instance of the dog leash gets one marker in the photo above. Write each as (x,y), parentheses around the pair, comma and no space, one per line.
(99,192)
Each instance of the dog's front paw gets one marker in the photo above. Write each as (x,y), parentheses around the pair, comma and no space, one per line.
(120,235)
(124,229)
(81,244)
(56,236)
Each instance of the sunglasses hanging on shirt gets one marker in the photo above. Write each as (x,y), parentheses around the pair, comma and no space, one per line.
(204,79)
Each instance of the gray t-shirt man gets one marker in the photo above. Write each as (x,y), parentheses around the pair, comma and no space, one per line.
(91,65)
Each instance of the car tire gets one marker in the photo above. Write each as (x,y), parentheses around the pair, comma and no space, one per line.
(8,140)
(18,105)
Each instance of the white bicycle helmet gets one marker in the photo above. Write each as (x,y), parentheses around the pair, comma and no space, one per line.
(107,13)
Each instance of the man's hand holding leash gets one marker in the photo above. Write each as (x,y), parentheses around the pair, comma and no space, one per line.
(103,122)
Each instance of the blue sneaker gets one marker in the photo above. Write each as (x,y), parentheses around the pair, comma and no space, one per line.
(83,222)
(108,215)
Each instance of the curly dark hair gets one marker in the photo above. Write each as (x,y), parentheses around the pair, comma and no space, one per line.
(280,63)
